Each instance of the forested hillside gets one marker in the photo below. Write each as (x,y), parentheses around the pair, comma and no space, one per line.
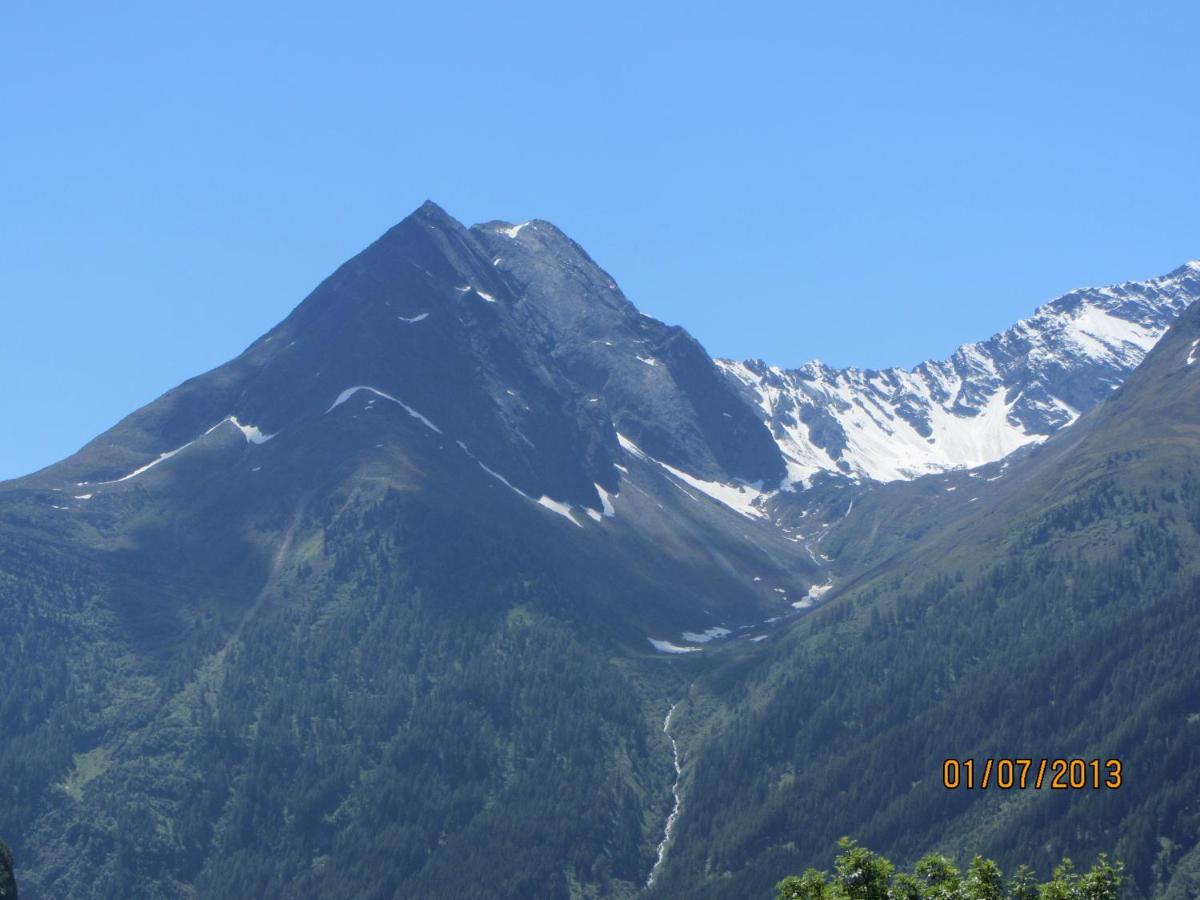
(1056,618)
(373,730)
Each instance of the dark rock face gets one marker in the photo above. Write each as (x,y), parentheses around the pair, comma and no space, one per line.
(8,881)
(824,429)
(508,337)
(660,386)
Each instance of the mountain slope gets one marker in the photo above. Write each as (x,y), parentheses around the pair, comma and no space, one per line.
(394,603)
(1052,612)
(395,577)
(985,401)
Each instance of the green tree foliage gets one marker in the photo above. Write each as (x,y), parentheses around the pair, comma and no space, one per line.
(938,877)
(1023,885)
(984,881)
(812,885)
(860,874)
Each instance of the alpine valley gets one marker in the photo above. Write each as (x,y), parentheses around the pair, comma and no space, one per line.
(469,579)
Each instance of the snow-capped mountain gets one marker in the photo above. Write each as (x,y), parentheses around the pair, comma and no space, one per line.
(430,556)
(987,400)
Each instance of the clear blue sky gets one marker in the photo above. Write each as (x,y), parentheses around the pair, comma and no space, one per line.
(868,183)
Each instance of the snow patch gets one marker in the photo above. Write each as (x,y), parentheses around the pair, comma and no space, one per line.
(251,433)
(705,636)
(738,497)
(556,506)
(513,230)
(563,509)
(1100,334)
(606,501)
(350,392)
(815,593)
(630,447)
(162,457)
(665,646)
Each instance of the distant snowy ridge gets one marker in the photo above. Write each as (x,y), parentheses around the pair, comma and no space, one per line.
(987,400)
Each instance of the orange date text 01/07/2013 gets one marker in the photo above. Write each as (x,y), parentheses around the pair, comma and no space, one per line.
(1024,773)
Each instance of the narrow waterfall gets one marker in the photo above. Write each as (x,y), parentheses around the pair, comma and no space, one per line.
(662,847)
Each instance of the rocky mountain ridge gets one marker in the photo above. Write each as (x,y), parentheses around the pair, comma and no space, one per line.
(986,400)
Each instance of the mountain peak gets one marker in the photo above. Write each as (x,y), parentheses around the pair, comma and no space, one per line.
(430,210)
(426,216)
(504,338)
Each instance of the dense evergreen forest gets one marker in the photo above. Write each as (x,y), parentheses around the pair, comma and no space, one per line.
(359,738)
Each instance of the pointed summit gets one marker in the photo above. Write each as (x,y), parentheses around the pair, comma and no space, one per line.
(429,207)
(1191,268)
(430,211)
(518,347)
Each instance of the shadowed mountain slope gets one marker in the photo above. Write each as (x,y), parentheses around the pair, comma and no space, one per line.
(389,581)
